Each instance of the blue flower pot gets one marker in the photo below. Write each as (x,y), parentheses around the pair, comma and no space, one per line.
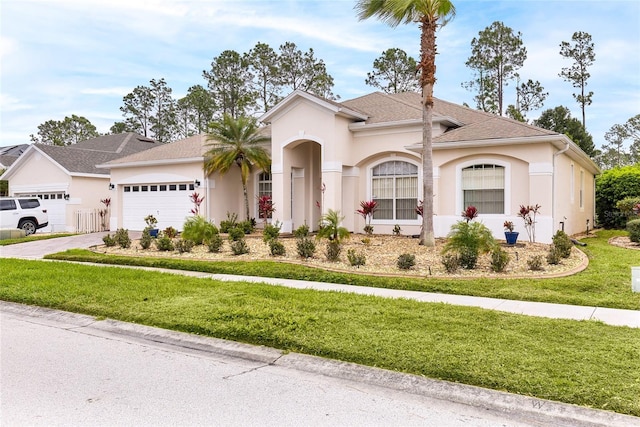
(511,237)
(153,232)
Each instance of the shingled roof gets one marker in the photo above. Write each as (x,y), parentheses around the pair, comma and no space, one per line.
(476,125)
(84,156)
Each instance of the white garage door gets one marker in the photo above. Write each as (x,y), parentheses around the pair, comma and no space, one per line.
(168,202)
(56,207)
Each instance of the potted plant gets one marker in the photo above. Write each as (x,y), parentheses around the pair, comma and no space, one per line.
(510,236)
(151,222)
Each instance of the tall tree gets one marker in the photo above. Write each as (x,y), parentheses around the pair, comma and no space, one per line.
(138,109)
(559,120)
(195,111)
(70,130)
(430,14)
(583,54)
(616,153)
(301,70)
(163,119)
(237,142)
(496,55)
(267,81)
(230,84)
(394,72)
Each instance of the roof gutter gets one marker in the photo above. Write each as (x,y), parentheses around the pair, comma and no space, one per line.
(553,181)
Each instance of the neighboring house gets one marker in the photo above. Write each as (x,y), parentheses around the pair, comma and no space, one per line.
(330,155)
(9,154)
(66,180)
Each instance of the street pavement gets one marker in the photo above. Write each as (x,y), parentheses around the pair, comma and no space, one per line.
(298,390)
(63,369)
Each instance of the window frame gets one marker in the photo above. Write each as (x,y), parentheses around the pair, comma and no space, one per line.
(372,166)
(507,184)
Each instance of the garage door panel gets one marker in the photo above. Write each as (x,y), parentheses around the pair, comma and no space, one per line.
(171,208)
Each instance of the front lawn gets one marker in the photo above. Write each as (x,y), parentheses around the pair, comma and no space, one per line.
(605,283)
(585,363)
(33,237)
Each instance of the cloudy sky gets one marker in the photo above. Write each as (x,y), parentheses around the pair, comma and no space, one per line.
(63,57)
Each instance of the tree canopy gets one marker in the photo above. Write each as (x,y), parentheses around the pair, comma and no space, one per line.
(394,72)
(583,54)
(559,120)
(68,131)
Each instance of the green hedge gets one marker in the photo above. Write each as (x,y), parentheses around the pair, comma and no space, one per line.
(613,186)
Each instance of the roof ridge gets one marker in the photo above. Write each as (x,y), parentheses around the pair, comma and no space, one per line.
(124,142)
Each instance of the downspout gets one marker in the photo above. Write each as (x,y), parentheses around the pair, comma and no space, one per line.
(553,185)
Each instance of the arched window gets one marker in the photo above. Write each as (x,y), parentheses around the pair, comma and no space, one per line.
(483,187)
(394,185)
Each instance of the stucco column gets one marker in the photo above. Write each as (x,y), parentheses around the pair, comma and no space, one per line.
(281,198)
(332,184)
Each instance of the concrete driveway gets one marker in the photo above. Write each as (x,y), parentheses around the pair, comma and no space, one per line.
(39,248)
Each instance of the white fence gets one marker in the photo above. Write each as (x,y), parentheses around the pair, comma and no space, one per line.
(91,220)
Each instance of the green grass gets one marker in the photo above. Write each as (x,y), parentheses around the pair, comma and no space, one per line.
(605,283)
(584,363)
(6,242)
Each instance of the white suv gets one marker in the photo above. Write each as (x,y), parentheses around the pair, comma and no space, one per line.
(24,213)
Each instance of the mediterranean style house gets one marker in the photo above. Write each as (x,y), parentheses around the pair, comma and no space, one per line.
(66,179)
(333,155)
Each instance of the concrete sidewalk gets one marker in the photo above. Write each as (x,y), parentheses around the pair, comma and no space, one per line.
(615,317)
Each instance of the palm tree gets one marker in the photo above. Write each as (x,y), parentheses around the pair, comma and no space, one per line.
(240,142)
(429,14)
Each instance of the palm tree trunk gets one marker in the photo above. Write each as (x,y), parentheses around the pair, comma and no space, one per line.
(427,80)
(246,200)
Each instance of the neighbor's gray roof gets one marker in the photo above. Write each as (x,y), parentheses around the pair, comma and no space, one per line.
(13,150)
(84,156)
(476,125)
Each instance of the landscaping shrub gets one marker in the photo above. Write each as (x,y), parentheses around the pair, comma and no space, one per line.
(306,247)
(198,229)
(164,243)
(239,247)
(109,241)
(247,226)
(145,240)
(468,257)
(450,262)
(122,238)
(633,227)
(613,186)
(184,245)
(562,244)
(276,247)
(406,261)
(469,239)
(302,231)
(235,234)
(499,260)
(554,255)
(396,230)
(535,263)
(333,250)
(229,223)
(271,232)
(629,207)
(215,243)
(356,259)
(170,232)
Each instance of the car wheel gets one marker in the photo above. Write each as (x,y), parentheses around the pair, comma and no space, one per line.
(28,226)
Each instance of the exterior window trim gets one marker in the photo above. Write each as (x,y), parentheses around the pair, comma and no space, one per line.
(486,161)
(393,158)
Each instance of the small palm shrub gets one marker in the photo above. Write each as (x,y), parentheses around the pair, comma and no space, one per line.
(333,250)
(562,243)
(356,259)
(535,263)
(215,243)
(198,229)
(406,261)
(451,262)
(229,223)
(184,245)
(271,232)
(499,260)
(239,247)
(633,227)
(469,239)
(122,238)
(145,239)
(276,247)
(109,241)
(235,234)
(165,243)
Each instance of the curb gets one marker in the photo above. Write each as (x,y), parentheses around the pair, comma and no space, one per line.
(513,406)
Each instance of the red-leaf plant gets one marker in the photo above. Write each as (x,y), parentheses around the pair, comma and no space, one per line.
(197,200)
(265,207)
(470,213)
(367,209)
(528,215)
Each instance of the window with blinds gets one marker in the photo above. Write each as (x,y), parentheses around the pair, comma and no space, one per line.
(264,184)
(483,187)
(394,186)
